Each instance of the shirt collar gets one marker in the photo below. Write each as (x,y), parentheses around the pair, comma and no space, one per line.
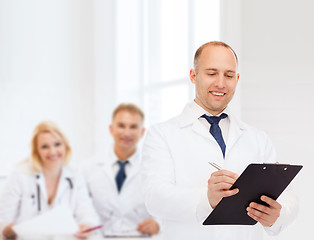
(193,112)
(65,173)
(199,111)
(132,159)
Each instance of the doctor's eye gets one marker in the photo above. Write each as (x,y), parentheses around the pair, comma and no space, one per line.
(44,146)
(134,126)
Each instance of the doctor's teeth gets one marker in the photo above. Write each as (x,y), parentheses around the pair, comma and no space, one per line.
(218,94)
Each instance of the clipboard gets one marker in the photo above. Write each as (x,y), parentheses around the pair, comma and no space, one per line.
(256,180)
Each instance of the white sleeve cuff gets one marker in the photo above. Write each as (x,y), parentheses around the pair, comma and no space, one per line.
(203,208)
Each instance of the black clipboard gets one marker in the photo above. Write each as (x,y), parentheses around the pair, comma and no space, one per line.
(256,180)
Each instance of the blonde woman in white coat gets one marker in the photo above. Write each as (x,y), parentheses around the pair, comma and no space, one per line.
(44,181)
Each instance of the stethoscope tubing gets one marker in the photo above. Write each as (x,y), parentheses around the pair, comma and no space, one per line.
(38,192)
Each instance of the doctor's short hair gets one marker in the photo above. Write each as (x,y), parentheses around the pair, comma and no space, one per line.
(213,43)
(129,107)
(47,127)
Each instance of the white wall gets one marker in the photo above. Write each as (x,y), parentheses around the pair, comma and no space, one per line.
(104,48)
(46,73)
(277,85)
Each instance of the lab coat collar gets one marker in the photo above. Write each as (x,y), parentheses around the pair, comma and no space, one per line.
(107,161)
(62,185)
(110,158)
(190,117)
(66,182)
(133,159)
(192,112)
(65,173)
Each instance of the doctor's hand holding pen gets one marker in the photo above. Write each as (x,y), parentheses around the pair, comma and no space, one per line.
(83,232)
(219,184)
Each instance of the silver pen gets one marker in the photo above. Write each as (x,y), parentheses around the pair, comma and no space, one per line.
(215,165)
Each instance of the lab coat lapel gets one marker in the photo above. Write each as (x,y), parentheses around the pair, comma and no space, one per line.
(190,117)
(107,169)
(40,181)
(63,183)
(106,163)
(236,129)
(200,129)
(134,170)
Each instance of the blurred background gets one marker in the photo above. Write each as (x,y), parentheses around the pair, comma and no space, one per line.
(73,61)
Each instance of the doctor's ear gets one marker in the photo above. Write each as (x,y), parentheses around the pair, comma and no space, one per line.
(143,132)
(192,75)
(110,129)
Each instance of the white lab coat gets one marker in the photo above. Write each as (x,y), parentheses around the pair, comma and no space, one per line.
(120,213)
(19,196)
(176,170)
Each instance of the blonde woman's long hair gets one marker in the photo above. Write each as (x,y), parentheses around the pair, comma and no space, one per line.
(47,127)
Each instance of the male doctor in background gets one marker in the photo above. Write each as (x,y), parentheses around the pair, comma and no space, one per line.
(114,180)
(180,186)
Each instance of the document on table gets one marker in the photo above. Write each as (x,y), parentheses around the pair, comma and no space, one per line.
(57,221)
(124,234)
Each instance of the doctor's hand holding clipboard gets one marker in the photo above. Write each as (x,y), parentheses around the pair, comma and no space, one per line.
(219,185)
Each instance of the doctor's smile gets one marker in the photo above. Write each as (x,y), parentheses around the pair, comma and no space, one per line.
(218,93)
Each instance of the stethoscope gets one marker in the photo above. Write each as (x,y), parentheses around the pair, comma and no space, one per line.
(69,180)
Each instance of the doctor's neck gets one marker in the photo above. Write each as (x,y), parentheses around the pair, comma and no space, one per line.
(123,153)
(52,172)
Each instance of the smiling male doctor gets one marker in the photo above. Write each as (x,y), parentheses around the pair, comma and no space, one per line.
(180,186)
(114,180)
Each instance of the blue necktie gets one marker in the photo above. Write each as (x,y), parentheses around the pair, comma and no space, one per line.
(216,131)
(120,177)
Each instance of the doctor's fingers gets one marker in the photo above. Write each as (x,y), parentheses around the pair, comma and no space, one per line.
(264,218)
(81,234)
(147,229)
(226,173)
(8,232)
(148,226)
(221,190)
(221,179)
(271,202)
(219,186)
(272,212)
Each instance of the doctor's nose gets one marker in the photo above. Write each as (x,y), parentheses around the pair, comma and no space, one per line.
(220,81)
(53,150)
(127,131)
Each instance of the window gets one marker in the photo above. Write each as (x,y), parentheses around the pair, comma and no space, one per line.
(169,32)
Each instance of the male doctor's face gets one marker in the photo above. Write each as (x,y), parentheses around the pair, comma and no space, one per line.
(126,130)
(215,78)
